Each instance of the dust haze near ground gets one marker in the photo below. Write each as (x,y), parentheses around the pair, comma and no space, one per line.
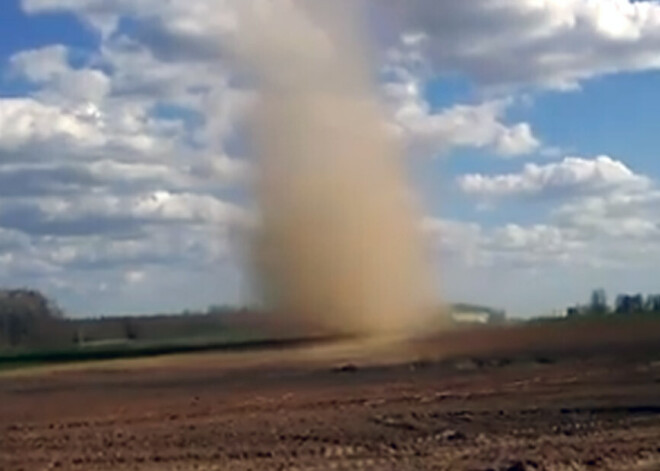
(338,248)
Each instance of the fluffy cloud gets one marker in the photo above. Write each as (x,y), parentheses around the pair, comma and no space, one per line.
(124,159)
(431,131)
(190,248)
(115,214)
(607,216)
(179,44)
(510,245)
(536,246)
(477,126)
(118,160)
(620,215)
(553,44)
(495,42)
(603,205)
(455,239)
(41,65)
(585,243)
(25,122)
(49,68)
(571,176)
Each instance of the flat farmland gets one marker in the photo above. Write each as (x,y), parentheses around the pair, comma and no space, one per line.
(551,397)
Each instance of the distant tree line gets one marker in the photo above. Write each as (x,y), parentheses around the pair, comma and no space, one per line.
(624,304)
(30,320)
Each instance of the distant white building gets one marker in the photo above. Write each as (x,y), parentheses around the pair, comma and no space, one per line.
(471,317)
(558,313)
(476,315)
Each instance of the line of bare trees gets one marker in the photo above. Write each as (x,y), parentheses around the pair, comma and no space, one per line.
(27,318)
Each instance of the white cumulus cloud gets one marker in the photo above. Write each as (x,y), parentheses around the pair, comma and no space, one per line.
(554,44)
(572,175)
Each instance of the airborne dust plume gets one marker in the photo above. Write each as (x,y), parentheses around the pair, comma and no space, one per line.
(338,248)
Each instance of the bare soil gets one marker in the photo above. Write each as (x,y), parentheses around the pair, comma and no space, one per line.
(532,398)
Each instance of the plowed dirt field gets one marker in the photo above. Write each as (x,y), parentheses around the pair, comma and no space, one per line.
(510,399)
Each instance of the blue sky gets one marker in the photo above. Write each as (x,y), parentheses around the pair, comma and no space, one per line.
(531,134)
(23,32)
